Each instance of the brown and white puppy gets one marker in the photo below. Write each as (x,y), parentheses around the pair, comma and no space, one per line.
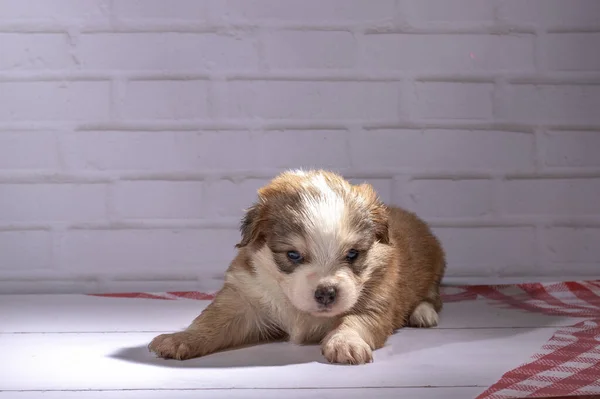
(320,261)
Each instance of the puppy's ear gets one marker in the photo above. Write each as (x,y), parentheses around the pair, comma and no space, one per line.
(380,218)
(378,212)
(250,226)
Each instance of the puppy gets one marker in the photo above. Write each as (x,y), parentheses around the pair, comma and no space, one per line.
(320,261)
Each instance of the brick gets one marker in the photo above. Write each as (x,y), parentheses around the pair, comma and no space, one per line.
(444,11)
(52,202)
(166,51)
(158,199)
(313,100)
(551,197)
(553,13)
(34,51)
(488,250)
(383,187)
(449,53)
(25,250)
(445,150)
(310,49)
(40,147)
(572,245)
(225,198)
(572,149)
(165,99)
(183,10)
(437,100)
(293,149)
(307,11)
(573,52)
(450,198)
(144,252)
(556,104)
(54,101)
(159,151)
(57,11)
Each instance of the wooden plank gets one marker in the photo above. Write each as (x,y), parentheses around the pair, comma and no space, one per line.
(351,393)
(78,313)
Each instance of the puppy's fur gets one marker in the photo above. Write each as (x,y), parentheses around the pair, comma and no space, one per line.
(320,261)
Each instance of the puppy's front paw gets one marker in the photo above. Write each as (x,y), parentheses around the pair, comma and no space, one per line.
(180,346)
(346,348)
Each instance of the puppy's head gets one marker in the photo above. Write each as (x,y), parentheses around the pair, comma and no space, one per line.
(313,233)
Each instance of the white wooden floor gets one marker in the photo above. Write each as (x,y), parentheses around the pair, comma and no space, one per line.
(74,346)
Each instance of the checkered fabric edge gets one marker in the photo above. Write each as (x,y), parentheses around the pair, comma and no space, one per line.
(567,365)
(171,295)
(570,298)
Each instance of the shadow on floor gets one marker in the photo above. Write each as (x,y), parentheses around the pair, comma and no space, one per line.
(265,355)
(406,342)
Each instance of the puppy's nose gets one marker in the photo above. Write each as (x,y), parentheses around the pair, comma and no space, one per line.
(325,295)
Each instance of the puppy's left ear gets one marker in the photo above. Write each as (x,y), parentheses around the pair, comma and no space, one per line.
(377,210)
(250,226)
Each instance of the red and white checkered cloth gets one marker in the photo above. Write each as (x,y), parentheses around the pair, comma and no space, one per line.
(570,298)
(567,365)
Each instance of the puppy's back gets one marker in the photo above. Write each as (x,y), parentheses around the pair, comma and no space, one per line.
(421,257)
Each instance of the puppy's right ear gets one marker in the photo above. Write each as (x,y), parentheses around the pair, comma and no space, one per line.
(378,211)
(251,226)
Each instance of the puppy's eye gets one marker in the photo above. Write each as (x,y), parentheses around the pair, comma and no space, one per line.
(352,255)
(294,256)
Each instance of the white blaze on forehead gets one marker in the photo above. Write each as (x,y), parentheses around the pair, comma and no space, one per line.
(297,172)
(325,216)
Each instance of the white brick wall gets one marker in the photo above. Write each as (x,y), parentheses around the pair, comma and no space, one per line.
(134,132)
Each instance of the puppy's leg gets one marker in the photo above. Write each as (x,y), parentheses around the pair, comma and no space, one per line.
(354,340)
(229,321)
(424,316)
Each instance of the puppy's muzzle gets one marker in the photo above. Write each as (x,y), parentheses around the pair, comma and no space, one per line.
(325,295)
